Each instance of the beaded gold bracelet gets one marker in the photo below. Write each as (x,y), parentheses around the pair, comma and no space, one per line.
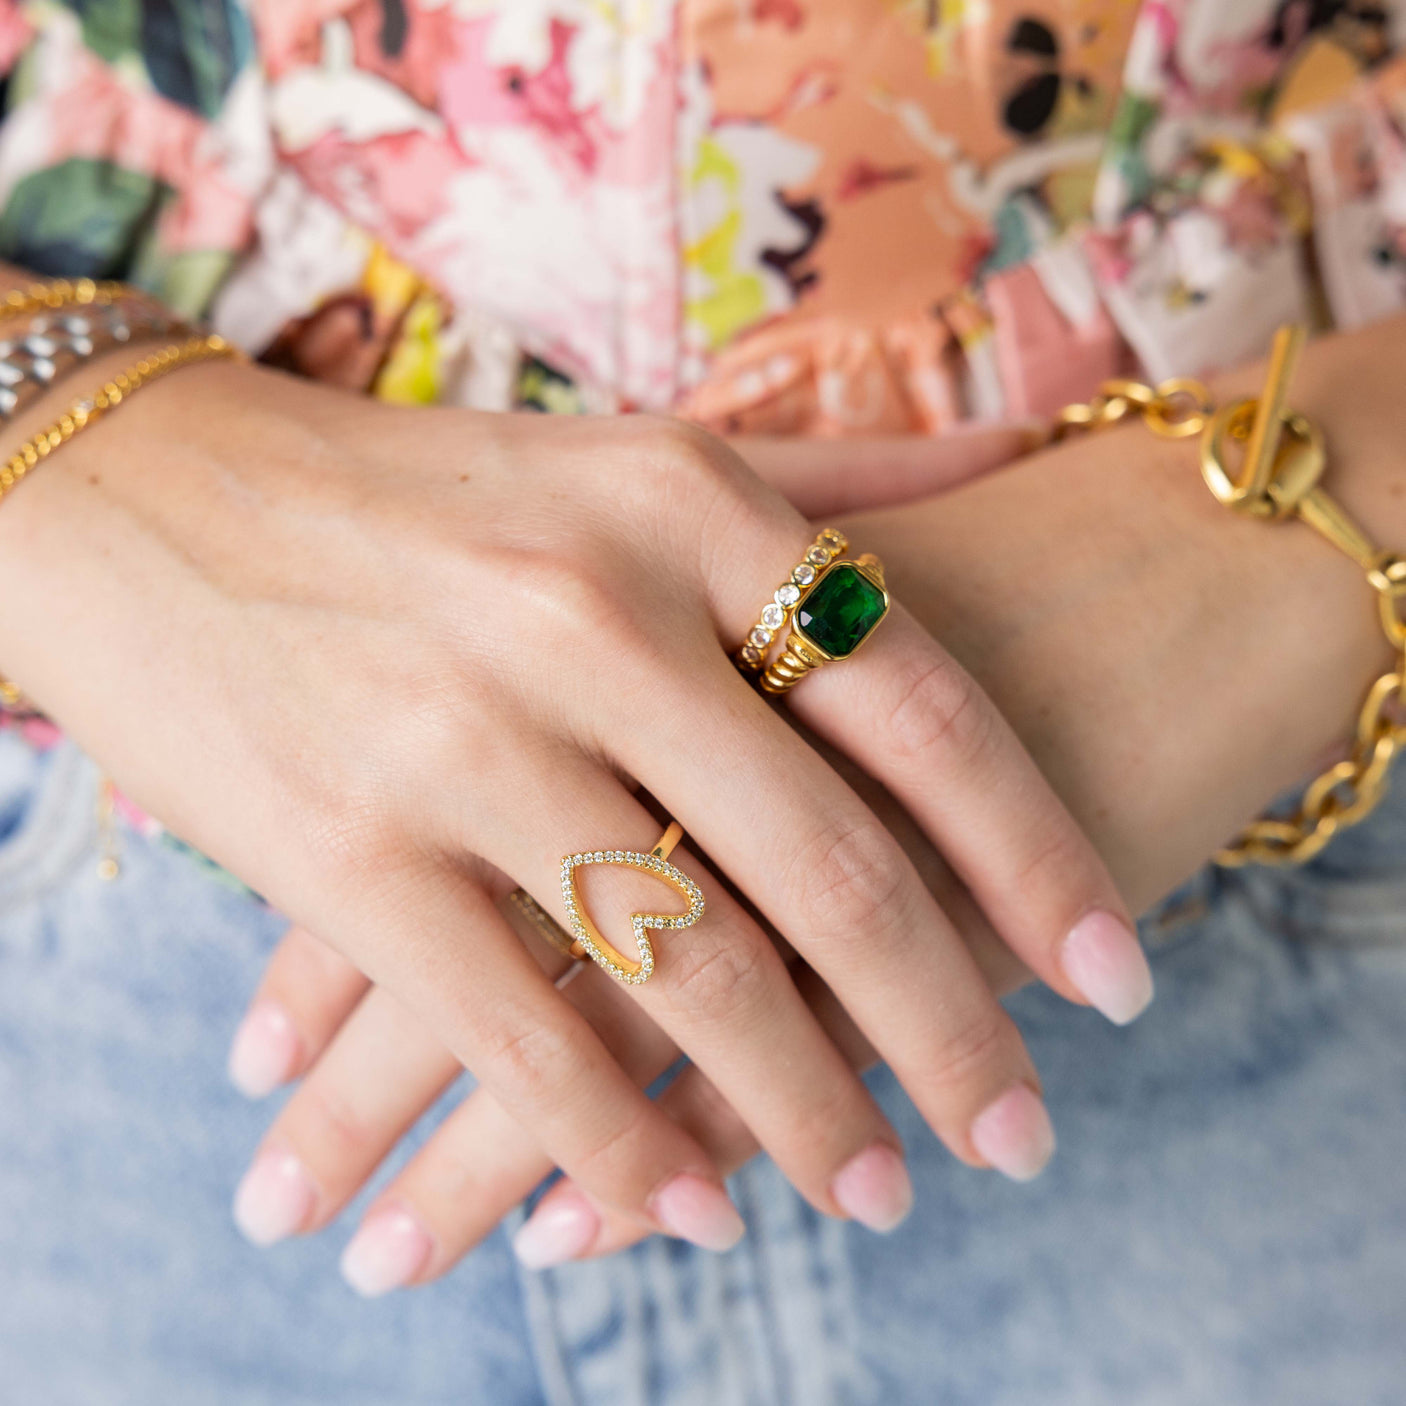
(1283,460)
(85,412)
(63,293)
(78,417)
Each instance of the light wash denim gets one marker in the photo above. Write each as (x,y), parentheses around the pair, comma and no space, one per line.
(1224,1225)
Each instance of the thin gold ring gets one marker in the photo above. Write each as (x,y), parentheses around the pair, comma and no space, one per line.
(590,942)
(545,925)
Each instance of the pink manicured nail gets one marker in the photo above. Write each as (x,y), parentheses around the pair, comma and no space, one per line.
(564,1226)
(1104,959)
(388,1250)
(874,1188)
(698,1211)
(1015,1134)
(274,1199)
(265,1051)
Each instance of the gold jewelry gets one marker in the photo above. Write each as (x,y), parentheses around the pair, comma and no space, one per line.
(64,293)
(1283,460)
(545,925)
(842,609)
(588,936)
(776,614)
(127,383)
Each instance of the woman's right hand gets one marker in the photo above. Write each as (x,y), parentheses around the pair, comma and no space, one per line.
(384,665)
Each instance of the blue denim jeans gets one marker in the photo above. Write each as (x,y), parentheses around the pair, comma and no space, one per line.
(1225,1221)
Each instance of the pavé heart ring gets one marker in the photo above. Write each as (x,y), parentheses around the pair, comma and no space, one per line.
(589,940)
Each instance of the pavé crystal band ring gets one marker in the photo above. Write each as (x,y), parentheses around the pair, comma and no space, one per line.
(833,617)
(776,614)
(589,940)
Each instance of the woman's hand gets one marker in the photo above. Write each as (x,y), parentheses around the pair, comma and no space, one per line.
(1105,658)
(384,665)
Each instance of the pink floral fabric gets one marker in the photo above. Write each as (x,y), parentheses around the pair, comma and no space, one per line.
(786,216)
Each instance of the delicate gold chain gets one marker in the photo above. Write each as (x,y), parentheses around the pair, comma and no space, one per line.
(1283,460)
(62,293)
(84,412)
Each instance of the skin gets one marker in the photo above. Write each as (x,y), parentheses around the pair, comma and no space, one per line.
(1101,652)
(386,664)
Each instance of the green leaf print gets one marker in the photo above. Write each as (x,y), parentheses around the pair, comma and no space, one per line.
(192,50)
(79,218)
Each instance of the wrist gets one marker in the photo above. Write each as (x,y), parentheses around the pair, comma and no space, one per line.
(1172,666)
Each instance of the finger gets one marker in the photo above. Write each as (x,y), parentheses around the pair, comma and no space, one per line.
(720,990)
(821,477)
(380,1073)
(910,716)
(432,937)
(839,888)
(306,992)
(877,1195)
(480,1163)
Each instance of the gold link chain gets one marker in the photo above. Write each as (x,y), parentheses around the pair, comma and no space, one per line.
(1283,459)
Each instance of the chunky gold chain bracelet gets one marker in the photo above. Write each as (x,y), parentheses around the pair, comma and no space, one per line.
(1283,460)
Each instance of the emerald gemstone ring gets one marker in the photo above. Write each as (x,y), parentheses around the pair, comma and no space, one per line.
(833,616)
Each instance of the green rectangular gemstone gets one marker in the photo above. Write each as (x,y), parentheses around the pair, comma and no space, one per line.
(841,610)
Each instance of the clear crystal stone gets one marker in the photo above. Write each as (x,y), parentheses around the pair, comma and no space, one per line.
(751,654)
(788,595)
(818,555)
(773,617)
(803,575)
(760,637)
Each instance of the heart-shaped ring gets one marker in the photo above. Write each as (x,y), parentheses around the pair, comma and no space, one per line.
(589,938)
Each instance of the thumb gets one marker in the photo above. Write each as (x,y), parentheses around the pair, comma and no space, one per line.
(824,476)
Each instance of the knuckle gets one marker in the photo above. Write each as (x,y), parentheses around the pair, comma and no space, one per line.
(327,1119)
(942,709)
(683,471)
(708,982)
(849,879)
(1051,858)
(959,1056)
(682,447)
(526,1062)
(610,1155)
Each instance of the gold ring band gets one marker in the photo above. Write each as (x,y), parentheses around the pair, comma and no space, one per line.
(592,943)
(545,925)
(776,613)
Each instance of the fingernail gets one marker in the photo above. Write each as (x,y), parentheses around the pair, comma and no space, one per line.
(874,1188)
(698,1211)
(274,1199)
(563,1227)
(388,1250)
(1015,1134)
(264,1052)
(1104,959)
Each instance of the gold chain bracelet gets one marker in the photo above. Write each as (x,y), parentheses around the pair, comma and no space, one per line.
(39,446)
(127,383)
(1283,460)
(63,293)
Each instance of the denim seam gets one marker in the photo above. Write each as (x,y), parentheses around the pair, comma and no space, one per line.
(59,832)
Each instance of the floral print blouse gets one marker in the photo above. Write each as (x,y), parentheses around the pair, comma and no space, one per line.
(785,216)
